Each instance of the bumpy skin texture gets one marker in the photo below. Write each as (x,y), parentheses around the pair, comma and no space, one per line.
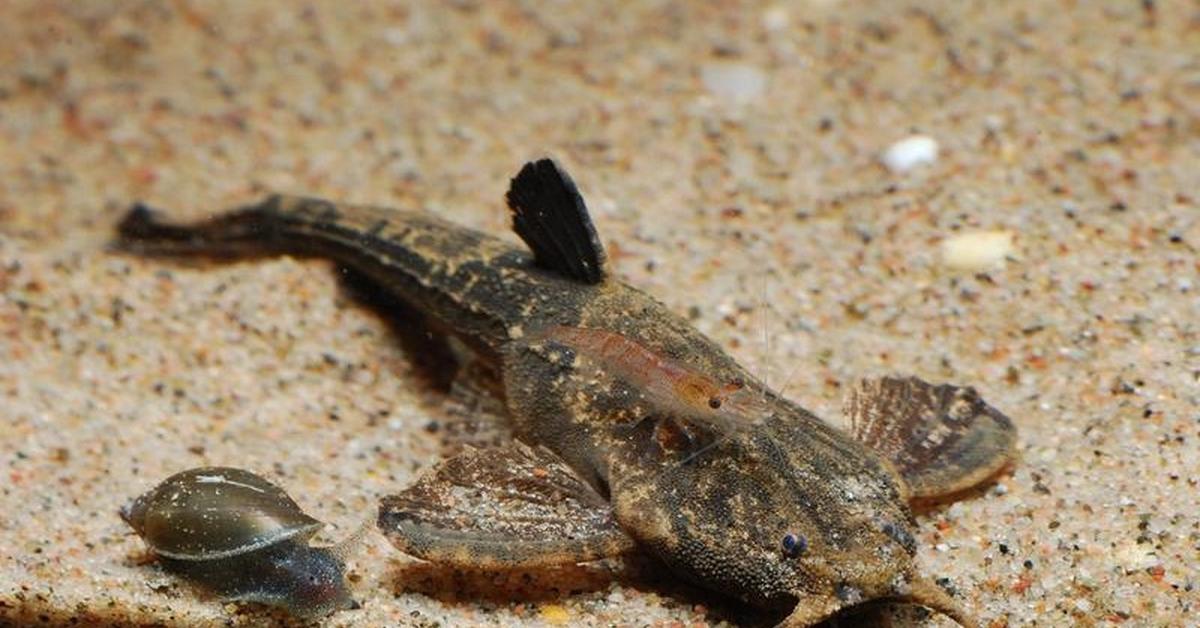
(716,502)
(733,487)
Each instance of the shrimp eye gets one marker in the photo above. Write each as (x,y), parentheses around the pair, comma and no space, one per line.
(714,402)
(794,545)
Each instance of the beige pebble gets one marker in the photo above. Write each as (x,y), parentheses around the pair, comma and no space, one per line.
(733,83)
(977,250)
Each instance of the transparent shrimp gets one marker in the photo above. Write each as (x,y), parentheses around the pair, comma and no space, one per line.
(671,387)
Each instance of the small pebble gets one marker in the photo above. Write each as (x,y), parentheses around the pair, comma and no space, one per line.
(775,18)
(734,83)
(1133,556)
(977,250)
(910,152)
(555,614)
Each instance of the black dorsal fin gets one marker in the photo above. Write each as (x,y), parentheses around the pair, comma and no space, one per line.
(551,217)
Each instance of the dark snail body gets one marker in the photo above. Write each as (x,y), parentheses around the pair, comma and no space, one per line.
(307,581)
(242,537)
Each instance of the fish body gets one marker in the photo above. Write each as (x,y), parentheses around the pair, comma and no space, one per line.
(634,432)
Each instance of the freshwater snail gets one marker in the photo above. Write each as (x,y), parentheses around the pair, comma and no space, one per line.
(242,537)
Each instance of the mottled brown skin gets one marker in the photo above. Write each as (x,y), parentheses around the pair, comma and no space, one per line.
(708,483)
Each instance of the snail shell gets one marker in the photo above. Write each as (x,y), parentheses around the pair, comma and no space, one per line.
(241,536)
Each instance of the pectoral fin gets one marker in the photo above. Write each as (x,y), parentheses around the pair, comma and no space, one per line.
(942,439)
(550,216)
(504,507)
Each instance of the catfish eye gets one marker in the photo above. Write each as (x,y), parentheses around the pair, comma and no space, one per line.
(794,545)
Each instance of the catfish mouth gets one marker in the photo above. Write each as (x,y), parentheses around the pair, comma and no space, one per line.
(849,601)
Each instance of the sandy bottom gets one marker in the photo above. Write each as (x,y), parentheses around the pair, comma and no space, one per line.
(731,157)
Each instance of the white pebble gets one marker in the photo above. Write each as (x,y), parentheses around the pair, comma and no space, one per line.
(977,250)
(775,18)
(910,152)
(1133,556)
(735,83)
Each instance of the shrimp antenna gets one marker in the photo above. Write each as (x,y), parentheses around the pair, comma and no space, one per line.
(791,377)
(766,335)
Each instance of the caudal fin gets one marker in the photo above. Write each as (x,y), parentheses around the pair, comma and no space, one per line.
(144,230)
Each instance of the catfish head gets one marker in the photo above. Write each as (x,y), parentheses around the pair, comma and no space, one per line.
(732,486)
(787,513)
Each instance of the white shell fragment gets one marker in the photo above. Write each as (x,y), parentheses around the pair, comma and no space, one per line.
(977,250)
(775,18)
(735,83)
(910,152)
